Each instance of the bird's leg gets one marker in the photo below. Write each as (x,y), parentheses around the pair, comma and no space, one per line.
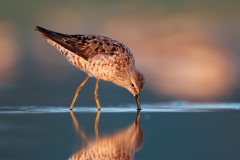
(78,91)
(96,95)
(78,128)
(96,124)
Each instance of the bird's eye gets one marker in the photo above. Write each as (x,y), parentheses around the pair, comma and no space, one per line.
(132,85)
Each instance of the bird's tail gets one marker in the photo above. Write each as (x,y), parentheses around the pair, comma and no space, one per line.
(56,37)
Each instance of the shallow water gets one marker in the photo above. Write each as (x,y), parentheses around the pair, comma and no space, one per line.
(166,131)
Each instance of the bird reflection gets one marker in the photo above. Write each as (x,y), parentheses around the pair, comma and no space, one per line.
(121,145)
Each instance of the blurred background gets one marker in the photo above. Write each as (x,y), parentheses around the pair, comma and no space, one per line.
(188,50)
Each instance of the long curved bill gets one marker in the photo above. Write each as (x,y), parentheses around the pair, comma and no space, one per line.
(137,97)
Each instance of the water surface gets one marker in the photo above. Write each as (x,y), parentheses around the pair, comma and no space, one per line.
(167,131)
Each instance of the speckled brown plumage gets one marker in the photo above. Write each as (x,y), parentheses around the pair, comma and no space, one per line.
(100,57)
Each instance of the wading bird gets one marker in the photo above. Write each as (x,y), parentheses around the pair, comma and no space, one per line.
(100,57)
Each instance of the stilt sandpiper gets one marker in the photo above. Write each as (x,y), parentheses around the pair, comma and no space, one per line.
(100,57)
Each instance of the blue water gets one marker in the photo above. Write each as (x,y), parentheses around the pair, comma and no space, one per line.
(176,130)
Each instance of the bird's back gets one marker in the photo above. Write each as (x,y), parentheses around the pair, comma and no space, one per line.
(98,56)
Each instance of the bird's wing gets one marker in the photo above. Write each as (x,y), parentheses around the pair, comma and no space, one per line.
(86,46)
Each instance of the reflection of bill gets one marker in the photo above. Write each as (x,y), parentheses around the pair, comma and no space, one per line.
(122,145)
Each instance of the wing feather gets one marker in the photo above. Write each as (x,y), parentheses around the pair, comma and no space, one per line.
(86,46)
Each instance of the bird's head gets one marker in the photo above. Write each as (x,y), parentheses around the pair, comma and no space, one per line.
(134,83)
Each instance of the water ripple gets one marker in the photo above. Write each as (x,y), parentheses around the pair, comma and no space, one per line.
(159,107)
